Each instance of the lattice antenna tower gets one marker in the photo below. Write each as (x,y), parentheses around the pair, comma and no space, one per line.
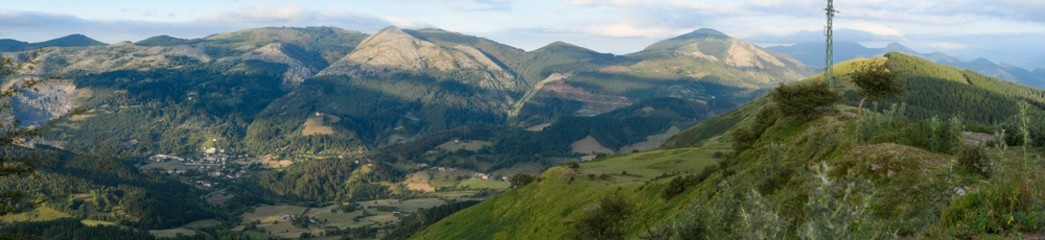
(829,54)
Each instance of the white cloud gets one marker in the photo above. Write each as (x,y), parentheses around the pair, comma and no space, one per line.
(875,28)
(619,26)
(407,23)
(263,14)
(947,45)
(478,5)
(629,31)
(607,2)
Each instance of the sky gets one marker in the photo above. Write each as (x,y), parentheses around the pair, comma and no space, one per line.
(1005,31)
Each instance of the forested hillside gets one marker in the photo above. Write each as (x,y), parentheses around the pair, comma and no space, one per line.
(230,132)
(769,171)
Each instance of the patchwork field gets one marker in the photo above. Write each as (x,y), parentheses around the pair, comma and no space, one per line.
(171,233)
(652,141)
(270,219)
(467,145)
(476,183)
(219,197)
(419,182)
(317,125)
(589,145)
(169,166)
(43,213)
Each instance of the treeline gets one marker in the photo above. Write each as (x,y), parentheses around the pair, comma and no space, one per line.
(70,229)
(511,145)
(92,187)
(980,101)
(415,222)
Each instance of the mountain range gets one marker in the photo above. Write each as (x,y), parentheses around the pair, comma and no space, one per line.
(432,134)
(74,40)
(404,83)
(812,54)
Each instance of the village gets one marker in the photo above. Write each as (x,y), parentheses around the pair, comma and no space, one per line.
(205,170)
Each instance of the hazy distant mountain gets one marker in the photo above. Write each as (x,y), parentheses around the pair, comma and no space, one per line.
(11,45)
(812,54)
(74,40)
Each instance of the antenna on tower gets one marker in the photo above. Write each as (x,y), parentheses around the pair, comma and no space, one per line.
(829,31)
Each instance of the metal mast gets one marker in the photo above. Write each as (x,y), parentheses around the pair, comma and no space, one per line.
(829,31)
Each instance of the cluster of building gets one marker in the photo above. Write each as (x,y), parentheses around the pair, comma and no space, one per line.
(213,162)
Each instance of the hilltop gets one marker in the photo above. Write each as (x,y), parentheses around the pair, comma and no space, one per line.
(812,54)
(821,176)
(73,40)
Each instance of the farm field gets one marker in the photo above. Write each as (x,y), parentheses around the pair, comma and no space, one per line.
(276,220)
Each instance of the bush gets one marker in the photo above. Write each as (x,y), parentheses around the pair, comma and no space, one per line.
(519,180)
(608,220)
(1003,206)
(745,138)
(975,160)
(804,99)
(678,185)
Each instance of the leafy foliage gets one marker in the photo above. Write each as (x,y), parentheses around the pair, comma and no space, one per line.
(414,222)
(521,179)
(804,99)
(71,229)
(608,220)
(328,180)
(975,160)
(876,82)
(678,185)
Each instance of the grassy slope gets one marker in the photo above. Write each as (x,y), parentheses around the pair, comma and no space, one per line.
(558,199)
(910,190)
(969,94)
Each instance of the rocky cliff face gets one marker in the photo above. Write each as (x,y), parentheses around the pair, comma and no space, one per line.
(43,102)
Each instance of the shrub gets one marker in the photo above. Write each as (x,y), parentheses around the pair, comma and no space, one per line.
(678,185)
(831,212)
(744,138)
(520,179)
(975,160)
(608,220)
(1003,206)
(804,99)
